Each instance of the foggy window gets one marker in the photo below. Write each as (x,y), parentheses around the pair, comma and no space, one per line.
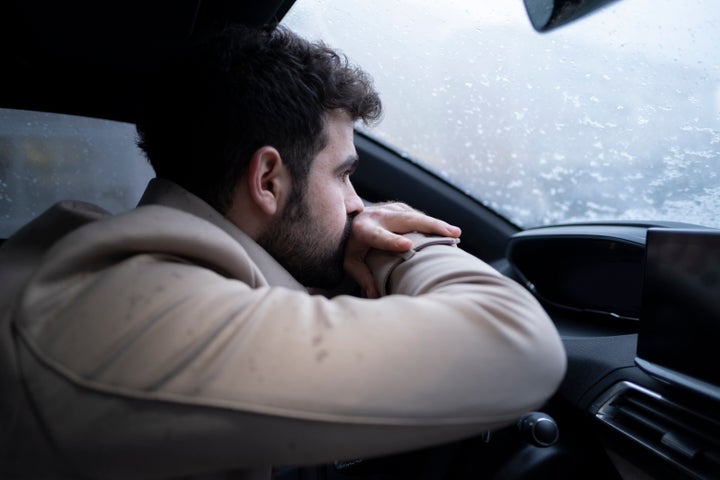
(615,116)
(45,158)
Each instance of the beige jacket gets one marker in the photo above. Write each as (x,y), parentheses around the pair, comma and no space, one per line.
(165,342)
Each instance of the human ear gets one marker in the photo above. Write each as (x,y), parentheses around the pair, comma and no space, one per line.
(267,179)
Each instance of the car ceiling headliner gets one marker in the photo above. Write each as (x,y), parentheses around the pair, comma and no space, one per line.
(88,57)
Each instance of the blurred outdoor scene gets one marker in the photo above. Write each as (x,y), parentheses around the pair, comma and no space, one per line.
(615,116)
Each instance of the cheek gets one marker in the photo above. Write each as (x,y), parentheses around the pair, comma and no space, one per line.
(330,208)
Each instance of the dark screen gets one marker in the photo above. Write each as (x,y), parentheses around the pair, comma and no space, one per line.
(584,273)
(680,311)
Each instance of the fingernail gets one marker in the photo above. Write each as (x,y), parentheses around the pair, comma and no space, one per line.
(403,242)
(453,230)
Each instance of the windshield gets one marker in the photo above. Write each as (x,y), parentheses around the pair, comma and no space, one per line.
(613,117)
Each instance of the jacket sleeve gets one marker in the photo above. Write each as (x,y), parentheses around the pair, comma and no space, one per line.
(158,353)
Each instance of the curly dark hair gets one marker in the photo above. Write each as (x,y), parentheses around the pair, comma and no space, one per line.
(238,90)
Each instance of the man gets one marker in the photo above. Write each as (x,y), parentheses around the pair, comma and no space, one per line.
(181,339)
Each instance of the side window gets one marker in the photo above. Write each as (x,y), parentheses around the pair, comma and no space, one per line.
(45,158)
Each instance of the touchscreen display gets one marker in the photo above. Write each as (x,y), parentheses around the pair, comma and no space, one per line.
(680,310)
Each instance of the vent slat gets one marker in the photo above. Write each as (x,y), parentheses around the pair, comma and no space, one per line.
(685,446)
(675,418)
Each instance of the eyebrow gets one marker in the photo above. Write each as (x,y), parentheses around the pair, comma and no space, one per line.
(350,162)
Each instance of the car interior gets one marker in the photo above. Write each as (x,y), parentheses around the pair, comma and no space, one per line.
(637,302)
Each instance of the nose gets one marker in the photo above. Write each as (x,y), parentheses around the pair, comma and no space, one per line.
(353,202)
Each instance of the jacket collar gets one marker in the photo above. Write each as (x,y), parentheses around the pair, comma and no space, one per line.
(169,194)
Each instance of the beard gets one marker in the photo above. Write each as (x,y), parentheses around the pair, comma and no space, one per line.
(300,243)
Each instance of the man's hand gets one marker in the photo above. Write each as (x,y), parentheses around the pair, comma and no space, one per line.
(381,227)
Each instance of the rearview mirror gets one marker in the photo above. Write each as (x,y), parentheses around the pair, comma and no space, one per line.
(548,14)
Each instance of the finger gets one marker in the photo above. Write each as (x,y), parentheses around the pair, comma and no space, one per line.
(374,236)
(397,206)
(414,221)
(400,218)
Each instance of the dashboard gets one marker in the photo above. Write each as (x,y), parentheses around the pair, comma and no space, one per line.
(638,307)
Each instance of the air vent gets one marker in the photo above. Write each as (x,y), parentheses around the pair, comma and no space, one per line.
(688,439)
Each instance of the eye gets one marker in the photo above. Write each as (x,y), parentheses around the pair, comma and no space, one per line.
(346,168)
(345,174)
